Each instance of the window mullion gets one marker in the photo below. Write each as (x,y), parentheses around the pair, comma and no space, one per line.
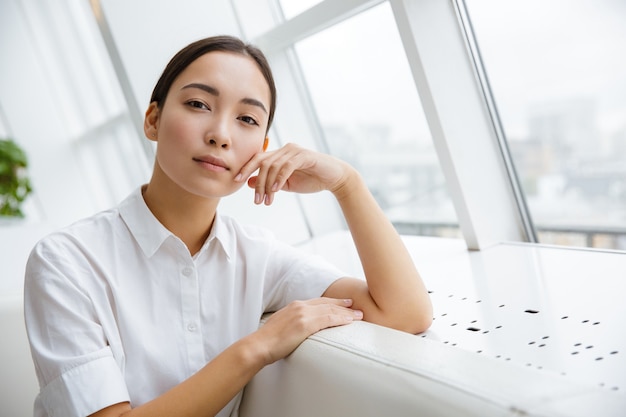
(516,188)
(459,121)
(125,84)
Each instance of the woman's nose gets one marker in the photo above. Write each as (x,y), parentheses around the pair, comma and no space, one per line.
(219,136)
(217,142)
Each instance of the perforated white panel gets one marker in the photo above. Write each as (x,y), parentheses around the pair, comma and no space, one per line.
(551,309)
(572,344)
(555,310)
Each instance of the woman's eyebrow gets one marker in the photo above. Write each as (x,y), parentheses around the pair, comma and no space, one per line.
(215,92)
(254,102)
(211,90)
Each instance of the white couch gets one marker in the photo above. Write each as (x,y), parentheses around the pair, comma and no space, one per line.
(366,370)
(17,374)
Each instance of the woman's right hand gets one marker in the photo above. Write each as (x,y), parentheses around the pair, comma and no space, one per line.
(284,330)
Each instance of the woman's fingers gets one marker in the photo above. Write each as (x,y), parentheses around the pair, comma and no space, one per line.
(293,168)
(274,171)
(278,169)
(346,302)
(264,182)
(320,313)
(288,327)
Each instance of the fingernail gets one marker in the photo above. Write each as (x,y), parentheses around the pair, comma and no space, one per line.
(238,177)
(275,187)
(257,198)
(358,314)
(347,301)
(267,199)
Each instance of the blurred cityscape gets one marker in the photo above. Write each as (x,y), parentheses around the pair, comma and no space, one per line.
(573,176)
(403,175)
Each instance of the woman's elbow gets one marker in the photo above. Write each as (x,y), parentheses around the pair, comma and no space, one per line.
(414,320)
(415,324)
(421,324)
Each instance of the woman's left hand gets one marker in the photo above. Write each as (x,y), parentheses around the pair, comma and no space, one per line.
(296,169)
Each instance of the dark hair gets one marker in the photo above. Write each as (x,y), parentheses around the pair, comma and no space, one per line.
(195,50)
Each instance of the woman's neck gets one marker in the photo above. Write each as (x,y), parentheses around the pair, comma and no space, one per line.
(188,216)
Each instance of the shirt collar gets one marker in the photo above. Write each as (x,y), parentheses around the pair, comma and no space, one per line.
(220,232)
(150,233)
(147,230)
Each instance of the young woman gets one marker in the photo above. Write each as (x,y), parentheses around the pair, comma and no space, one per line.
(153,308)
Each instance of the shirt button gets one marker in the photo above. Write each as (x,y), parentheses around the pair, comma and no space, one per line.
(187,271)
(192,327)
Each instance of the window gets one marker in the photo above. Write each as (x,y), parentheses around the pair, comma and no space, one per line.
(557,74)
(367,105)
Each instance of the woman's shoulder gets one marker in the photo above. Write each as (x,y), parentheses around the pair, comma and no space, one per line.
(98,227)
(89,230)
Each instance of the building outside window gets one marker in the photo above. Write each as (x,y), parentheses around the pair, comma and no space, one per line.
(556,70)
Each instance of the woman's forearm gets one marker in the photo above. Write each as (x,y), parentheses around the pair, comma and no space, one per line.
(394,283)
(210,389)
(206,392)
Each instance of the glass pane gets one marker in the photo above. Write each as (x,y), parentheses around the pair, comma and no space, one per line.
(293,8)
(362,89)
(557,73)
(259,16)
(82,89)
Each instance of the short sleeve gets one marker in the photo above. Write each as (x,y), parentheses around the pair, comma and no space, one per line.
(78,374)
(296,275)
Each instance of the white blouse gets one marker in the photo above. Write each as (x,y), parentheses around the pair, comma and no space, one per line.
(118,310)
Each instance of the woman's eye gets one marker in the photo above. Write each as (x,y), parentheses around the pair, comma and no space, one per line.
(248,120)
(197,104)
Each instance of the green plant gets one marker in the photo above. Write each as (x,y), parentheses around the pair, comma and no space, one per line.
(14,183)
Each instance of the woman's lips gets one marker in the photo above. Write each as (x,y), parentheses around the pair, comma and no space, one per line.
(212,163)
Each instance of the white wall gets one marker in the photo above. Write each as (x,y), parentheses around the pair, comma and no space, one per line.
(35,120)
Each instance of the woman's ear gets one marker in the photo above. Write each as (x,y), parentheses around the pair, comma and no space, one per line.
(150,121)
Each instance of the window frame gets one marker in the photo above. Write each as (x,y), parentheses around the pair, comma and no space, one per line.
(122,77)
(478,176)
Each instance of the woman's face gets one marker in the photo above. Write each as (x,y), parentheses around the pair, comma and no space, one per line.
(213,121)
